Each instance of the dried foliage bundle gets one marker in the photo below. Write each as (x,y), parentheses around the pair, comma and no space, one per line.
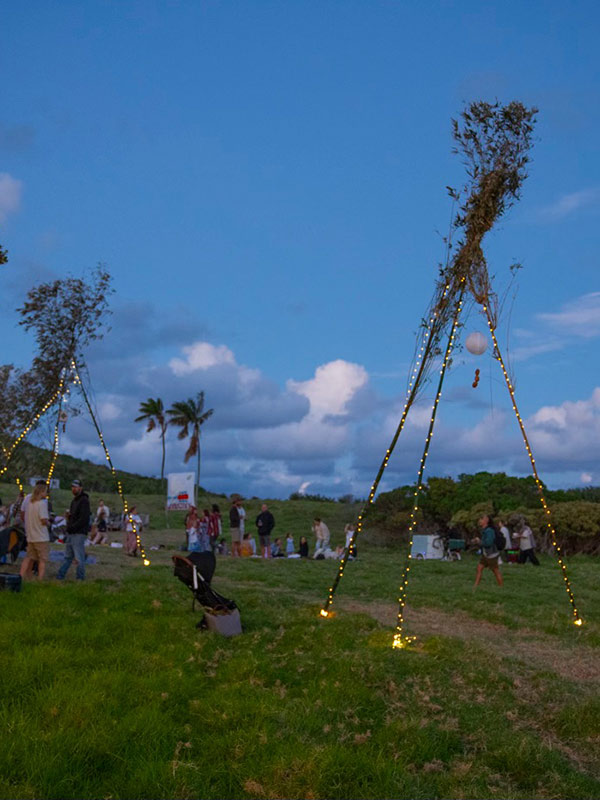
(495,142)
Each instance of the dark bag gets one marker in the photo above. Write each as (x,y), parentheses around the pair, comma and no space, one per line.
(500,539)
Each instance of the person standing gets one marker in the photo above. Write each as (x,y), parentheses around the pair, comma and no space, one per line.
(322,536)
(34,511)
(242,513)
(78,526)
(215,529)
(265,522)
(526,544)
(234,527)
(489,550)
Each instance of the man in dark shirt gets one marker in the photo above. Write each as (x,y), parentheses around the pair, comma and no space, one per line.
(265,522)
(78,526)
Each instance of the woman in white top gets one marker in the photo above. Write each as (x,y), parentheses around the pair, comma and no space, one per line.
(34,512)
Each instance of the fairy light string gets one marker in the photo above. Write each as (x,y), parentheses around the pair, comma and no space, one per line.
(577,620)
(55,444)
(400,640)
(119,485)
(413,386)
(8,454)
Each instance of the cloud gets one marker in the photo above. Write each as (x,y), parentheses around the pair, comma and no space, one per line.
(579,317)
(201,355)
(11,190)
(570,203)
(333,386)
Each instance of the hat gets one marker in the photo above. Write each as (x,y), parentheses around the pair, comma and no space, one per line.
(77,482)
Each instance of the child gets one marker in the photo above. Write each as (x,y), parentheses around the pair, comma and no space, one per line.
(303,548)
(290,548)
(276,551)
(246,547)
(203,532)
(222,548)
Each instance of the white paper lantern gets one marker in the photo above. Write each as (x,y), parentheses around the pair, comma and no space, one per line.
(476,343)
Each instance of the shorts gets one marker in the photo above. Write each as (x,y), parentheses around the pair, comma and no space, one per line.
(236,535)
(38,551)
(491,562)
(265,541)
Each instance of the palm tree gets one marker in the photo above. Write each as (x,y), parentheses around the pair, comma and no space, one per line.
(188,414)
(153,412)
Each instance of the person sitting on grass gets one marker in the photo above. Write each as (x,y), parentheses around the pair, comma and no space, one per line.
(246,547)
(276,551)
(489,550)
(303,547)
(131,537)
(222,548)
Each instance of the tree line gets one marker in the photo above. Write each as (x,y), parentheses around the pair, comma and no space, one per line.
(453,505)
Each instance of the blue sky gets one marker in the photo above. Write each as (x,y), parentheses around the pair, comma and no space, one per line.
(266,183)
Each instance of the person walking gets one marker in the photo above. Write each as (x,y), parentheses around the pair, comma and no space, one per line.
(489,550)
(234,527)
(526,544)
(78,526)
(35,514)
(265,522)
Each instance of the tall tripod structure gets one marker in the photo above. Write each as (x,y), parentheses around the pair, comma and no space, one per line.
(494,141)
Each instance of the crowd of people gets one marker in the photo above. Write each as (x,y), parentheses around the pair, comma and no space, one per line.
(205,533)
(76,529)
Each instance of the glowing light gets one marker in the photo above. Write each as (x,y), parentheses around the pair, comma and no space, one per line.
(538,483)
(324,613)
(578,621)
(146,562)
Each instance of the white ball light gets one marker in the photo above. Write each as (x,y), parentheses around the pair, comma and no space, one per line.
(476,343)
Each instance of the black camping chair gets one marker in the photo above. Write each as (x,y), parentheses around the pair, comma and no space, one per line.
(12,541)
(196,571)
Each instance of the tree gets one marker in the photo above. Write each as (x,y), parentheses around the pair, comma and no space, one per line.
(65,315)
(187,414)
(153,412)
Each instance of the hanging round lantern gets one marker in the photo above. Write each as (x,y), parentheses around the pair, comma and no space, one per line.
(476,343)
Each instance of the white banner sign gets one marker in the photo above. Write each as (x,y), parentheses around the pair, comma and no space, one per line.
(180,492)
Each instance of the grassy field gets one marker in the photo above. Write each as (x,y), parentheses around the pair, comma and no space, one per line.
(111,692)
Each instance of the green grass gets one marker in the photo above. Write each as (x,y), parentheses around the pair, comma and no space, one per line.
(111,692)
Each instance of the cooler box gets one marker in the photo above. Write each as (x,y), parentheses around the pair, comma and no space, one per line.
(10,581)
(423,547)
(513,556)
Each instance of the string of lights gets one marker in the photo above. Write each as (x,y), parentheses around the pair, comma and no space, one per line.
(400,640)
(8,454)
(119,485)
(577,620)
(55,444)
(17,479)
(413,386)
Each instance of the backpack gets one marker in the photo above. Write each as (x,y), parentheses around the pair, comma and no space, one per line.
(500,539)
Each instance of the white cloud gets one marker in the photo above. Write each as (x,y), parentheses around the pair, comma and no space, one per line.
(579,317)
(332,387)
(201,355)
(586,477)
(570,203)
(11,190)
